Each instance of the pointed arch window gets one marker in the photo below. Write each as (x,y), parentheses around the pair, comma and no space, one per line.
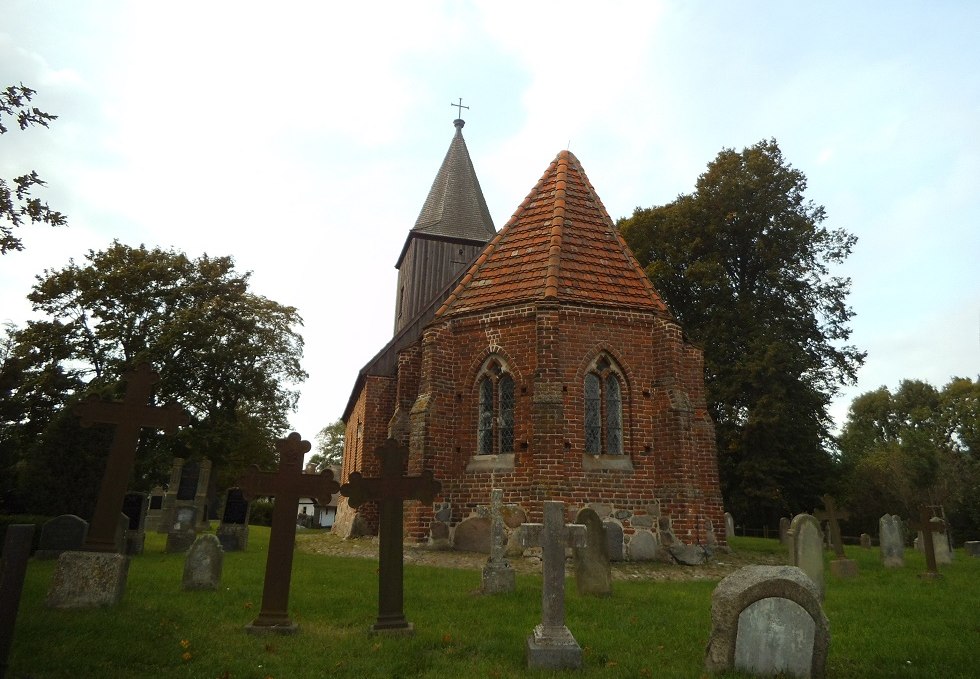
(495,418)
(603,409)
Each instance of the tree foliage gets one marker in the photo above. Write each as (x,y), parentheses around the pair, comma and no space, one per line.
(744,263)
(914,446)
(16,202)
(224,353)
(329,446)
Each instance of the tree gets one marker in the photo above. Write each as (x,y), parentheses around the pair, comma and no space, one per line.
(16,203)
(912,447)
(329,446)
(744,264)
(224,353)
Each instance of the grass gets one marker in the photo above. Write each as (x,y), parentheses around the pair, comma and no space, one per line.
(884,623)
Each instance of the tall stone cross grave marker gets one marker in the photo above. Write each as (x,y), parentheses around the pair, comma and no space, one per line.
(551,645)
(287,485)
(498,576)
(929,524)
(841,566)
(130,416)
(391,489)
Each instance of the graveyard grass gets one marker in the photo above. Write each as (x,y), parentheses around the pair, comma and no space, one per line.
(884,623)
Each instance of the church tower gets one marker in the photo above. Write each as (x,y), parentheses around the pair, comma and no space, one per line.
(452,229)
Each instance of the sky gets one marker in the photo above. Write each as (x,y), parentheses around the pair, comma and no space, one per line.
(302,138)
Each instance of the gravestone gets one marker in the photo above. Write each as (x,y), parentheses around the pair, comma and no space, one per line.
(614,539)
(940,542)
(729,526)
(233,529)
(202,568)
(865,541)
(287,485)
(61,534)
(189,483)
(154,512)
(472,535)
(784,529)
(972,547)
(13,568)
(97,576)
(551,645)
(593,575)
(767,620)
(134,508)
(807,548)
(498,576)
(840,566)
(891,541)
(391,489)
(643,546)
(182,534)
(928,526)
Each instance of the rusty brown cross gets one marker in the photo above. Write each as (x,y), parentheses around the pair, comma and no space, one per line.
(929,524)
(287,485)
(832,514)
(391,489)
(130,416)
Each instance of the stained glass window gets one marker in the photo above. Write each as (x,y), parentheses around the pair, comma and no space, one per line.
(593,415)
(485,427)
(614,416)
(506,386)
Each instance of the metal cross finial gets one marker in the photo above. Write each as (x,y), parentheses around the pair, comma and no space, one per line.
(460,107)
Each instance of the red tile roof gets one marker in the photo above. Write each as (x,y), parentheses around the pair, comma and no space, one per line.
(560,245)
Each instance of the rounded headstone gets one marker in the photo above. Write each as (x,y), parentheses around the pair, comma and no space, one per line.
(473,535)
(643,546)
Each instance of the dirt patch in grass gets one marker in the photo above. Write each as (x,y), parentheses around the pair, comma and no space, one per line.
(720,565)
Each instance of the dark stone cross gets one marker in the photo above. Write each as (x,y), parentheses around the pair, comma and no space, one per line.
(130,416)
(287,485)
(460,107)
(929,524)
(391,489)
(832,514)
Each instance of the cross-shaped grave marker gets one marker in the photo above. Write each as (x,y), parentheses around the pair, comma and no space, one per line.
(287,485)
(391,489)
(929,524)
(498,576)
(130,416)
(552,645)
(832,514)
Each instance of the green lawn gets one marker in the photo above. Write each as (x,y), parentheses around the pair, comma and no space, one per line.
(883,624)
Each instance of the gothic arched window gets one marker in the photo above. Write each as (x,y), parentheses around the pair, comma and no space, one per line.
(495,418)
(603,409)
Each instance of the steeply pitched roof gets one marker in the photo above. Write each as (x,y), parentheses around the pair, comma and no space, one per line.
(560,245)
(455,208)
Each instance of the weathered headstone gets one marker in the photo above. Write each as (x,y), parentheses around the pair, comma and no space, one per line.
(391,489)
(865,541)
(61,534)
(202,568)
(891,541)
(97,577)
(182,534)
(972,547)
(807,552)
(767,620)
(784,522)
(643,546)
(614,539)
(593,574)
(841,566)
(472,535)
(498,576)
(729,526)
(928,526)
(13,568)
(233,529)
(551,645)
(134,507)
(287,485)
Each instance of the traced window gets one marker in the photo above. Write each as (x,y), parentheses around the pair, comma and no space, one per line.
(495,417)
(603,409)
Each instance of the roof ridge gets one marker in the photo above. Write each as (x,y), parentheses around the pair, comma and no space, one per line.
(557,228)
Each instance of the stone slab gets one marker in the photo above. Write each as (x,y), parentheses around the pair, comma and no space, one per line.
(553,650)
(202,567)
(88,580)
(498,578)
(63,533)
(473,535)
(972,548)
(643,546)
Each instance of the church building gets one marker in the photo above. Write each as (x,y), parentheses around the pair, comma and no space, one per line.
(537,359)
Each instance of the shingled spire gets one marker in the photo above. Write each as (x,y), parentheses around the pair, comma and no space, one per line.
(452,228)
(560,245)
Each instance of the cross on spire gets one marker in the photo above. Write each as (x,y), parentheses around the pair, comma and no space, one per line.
(459,108)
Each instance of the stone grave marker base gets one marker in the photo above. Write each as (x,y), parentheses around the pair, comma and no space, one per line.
(180,541)
(287,628)
(498,578)
(553,649)
(844,568)
(88,580)
(930,576)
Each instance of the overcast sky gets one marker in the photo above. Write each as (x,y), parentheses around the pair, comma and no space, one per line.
(302,138)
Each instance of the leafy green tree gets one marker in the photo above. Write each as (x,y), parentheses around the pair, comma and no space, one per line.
(744,263)
(16,203)
(224,353)
(329,446)
(912,447)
